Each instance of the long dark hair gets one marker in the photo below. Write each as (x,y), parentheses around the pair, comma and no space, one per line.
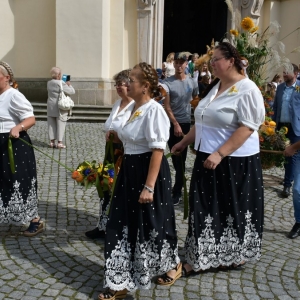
(228,51)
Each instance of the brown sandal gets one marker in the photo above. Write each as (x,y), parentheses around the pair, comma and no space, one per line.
(185,273)
(167,280)
(112,295)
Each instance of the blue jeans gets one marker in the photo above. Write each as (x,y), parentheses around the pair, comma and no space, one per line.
(296,191)
(291,161)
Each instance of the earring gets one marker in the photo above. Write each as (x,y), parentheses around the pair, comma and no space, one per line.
(144,92)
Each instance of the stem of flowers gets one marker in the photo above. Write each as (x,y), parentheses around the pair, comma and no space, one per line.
(46,155)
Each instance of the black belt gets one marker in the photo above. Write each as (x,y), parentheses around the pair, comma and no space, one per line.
(285,124)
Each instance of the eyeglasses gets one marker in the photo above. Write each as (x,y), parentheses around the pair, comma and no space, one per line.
(119,84)
(131,80)
(213,60)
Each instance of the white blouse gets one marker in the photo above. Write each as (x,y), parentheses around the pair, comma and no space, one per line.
(169,69)
(216,119)
(115,118)
(147,129)
(14,108)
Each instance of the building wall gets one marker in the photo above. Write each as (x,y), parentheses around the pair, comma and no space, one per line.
(94,39)
(91,40)
(286,12)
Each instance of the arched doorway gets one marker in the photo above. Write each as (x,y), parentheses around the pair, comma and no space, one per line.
(190,25)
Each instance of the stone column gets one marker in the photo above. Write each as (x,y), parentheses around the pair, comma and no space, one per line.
(150,31)
(251,8)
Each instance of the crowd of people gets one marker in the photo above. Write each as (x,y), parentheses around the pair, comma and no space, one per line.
(226,197)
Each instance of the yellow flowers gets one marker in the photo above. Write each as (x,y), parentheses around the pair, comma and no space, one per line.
(233,90)
(272,123)
(254,29)
(270,131)
(285,129)
(135,115)
(234,32)
(297,87)
(247,23)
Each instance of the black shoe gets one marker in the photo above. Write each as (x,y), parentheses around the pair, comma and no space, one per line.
(176,199)
(285,192)
(295,232)
(95,234)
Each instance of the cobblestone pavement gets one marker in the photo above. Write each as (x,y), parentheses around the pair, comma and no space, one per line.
(63,264)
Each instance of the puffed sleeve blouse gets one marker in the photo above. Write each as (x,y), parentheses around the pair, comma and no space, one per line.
(115,118)
(147,129)
(216,119)
(14,108)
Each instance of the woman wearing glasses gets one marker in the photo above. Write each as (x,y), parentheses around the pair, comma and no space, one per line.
(141,239)
(119,111)
(226,191)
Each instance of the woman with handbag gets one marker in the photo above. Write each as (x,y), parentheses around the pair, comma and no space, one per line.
(57,118)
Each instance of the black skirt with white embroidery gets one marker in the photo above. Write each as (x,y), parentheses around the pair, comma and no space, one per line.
(18,191)
(141,239)
(226,212)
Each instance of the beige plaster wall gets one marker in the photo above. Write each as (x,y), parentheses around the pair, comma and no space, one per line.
(29,36)
(290,20)
(286,12)
(82,37)
(7,36)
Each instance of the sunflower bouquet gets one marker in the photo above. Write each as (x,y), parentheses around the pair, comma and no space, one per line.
(272,144)
(263,53)
(90,174)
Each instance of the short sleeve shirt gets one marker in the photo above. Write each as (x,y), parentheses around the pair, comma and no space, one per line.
(217,118)
(14,108)
(181,92)
(147,129)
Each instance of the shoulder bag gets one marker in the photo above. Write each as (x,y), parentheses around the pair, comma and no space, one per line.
(64,102)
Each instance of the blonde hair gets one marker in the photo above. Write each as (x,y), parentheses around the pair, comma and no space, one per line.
(170,57)
(148,74)
(6,70)
(55,71)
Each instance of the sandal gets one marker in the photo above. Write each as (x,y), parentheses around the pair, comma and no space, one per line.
(60,146)
(112,295)
(185,273)
(167,280)
(34,228)
(231,267)
(51,145)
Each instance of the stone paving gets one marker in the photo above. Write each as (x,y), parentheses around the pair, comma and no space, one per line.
(62,263)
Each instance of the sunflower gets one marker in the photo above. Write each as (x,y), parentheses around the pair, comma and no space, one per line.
(285,129)
(234,32)
(253,29)
(270,131)
(247,23)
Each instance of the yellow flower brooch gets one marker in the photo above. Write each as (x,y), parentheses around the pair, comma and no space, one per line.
(135,115)
(233,90)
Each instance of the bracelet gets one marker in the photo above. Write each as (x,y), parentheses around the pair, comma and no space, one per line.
(222,156)
(22,127)
(148,189)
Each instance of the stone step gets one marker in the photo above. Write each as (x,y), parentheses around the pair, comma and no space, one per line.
(80,113)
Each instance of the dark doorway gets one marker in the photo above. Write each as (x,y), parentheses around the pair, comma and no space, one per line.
(190,25)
